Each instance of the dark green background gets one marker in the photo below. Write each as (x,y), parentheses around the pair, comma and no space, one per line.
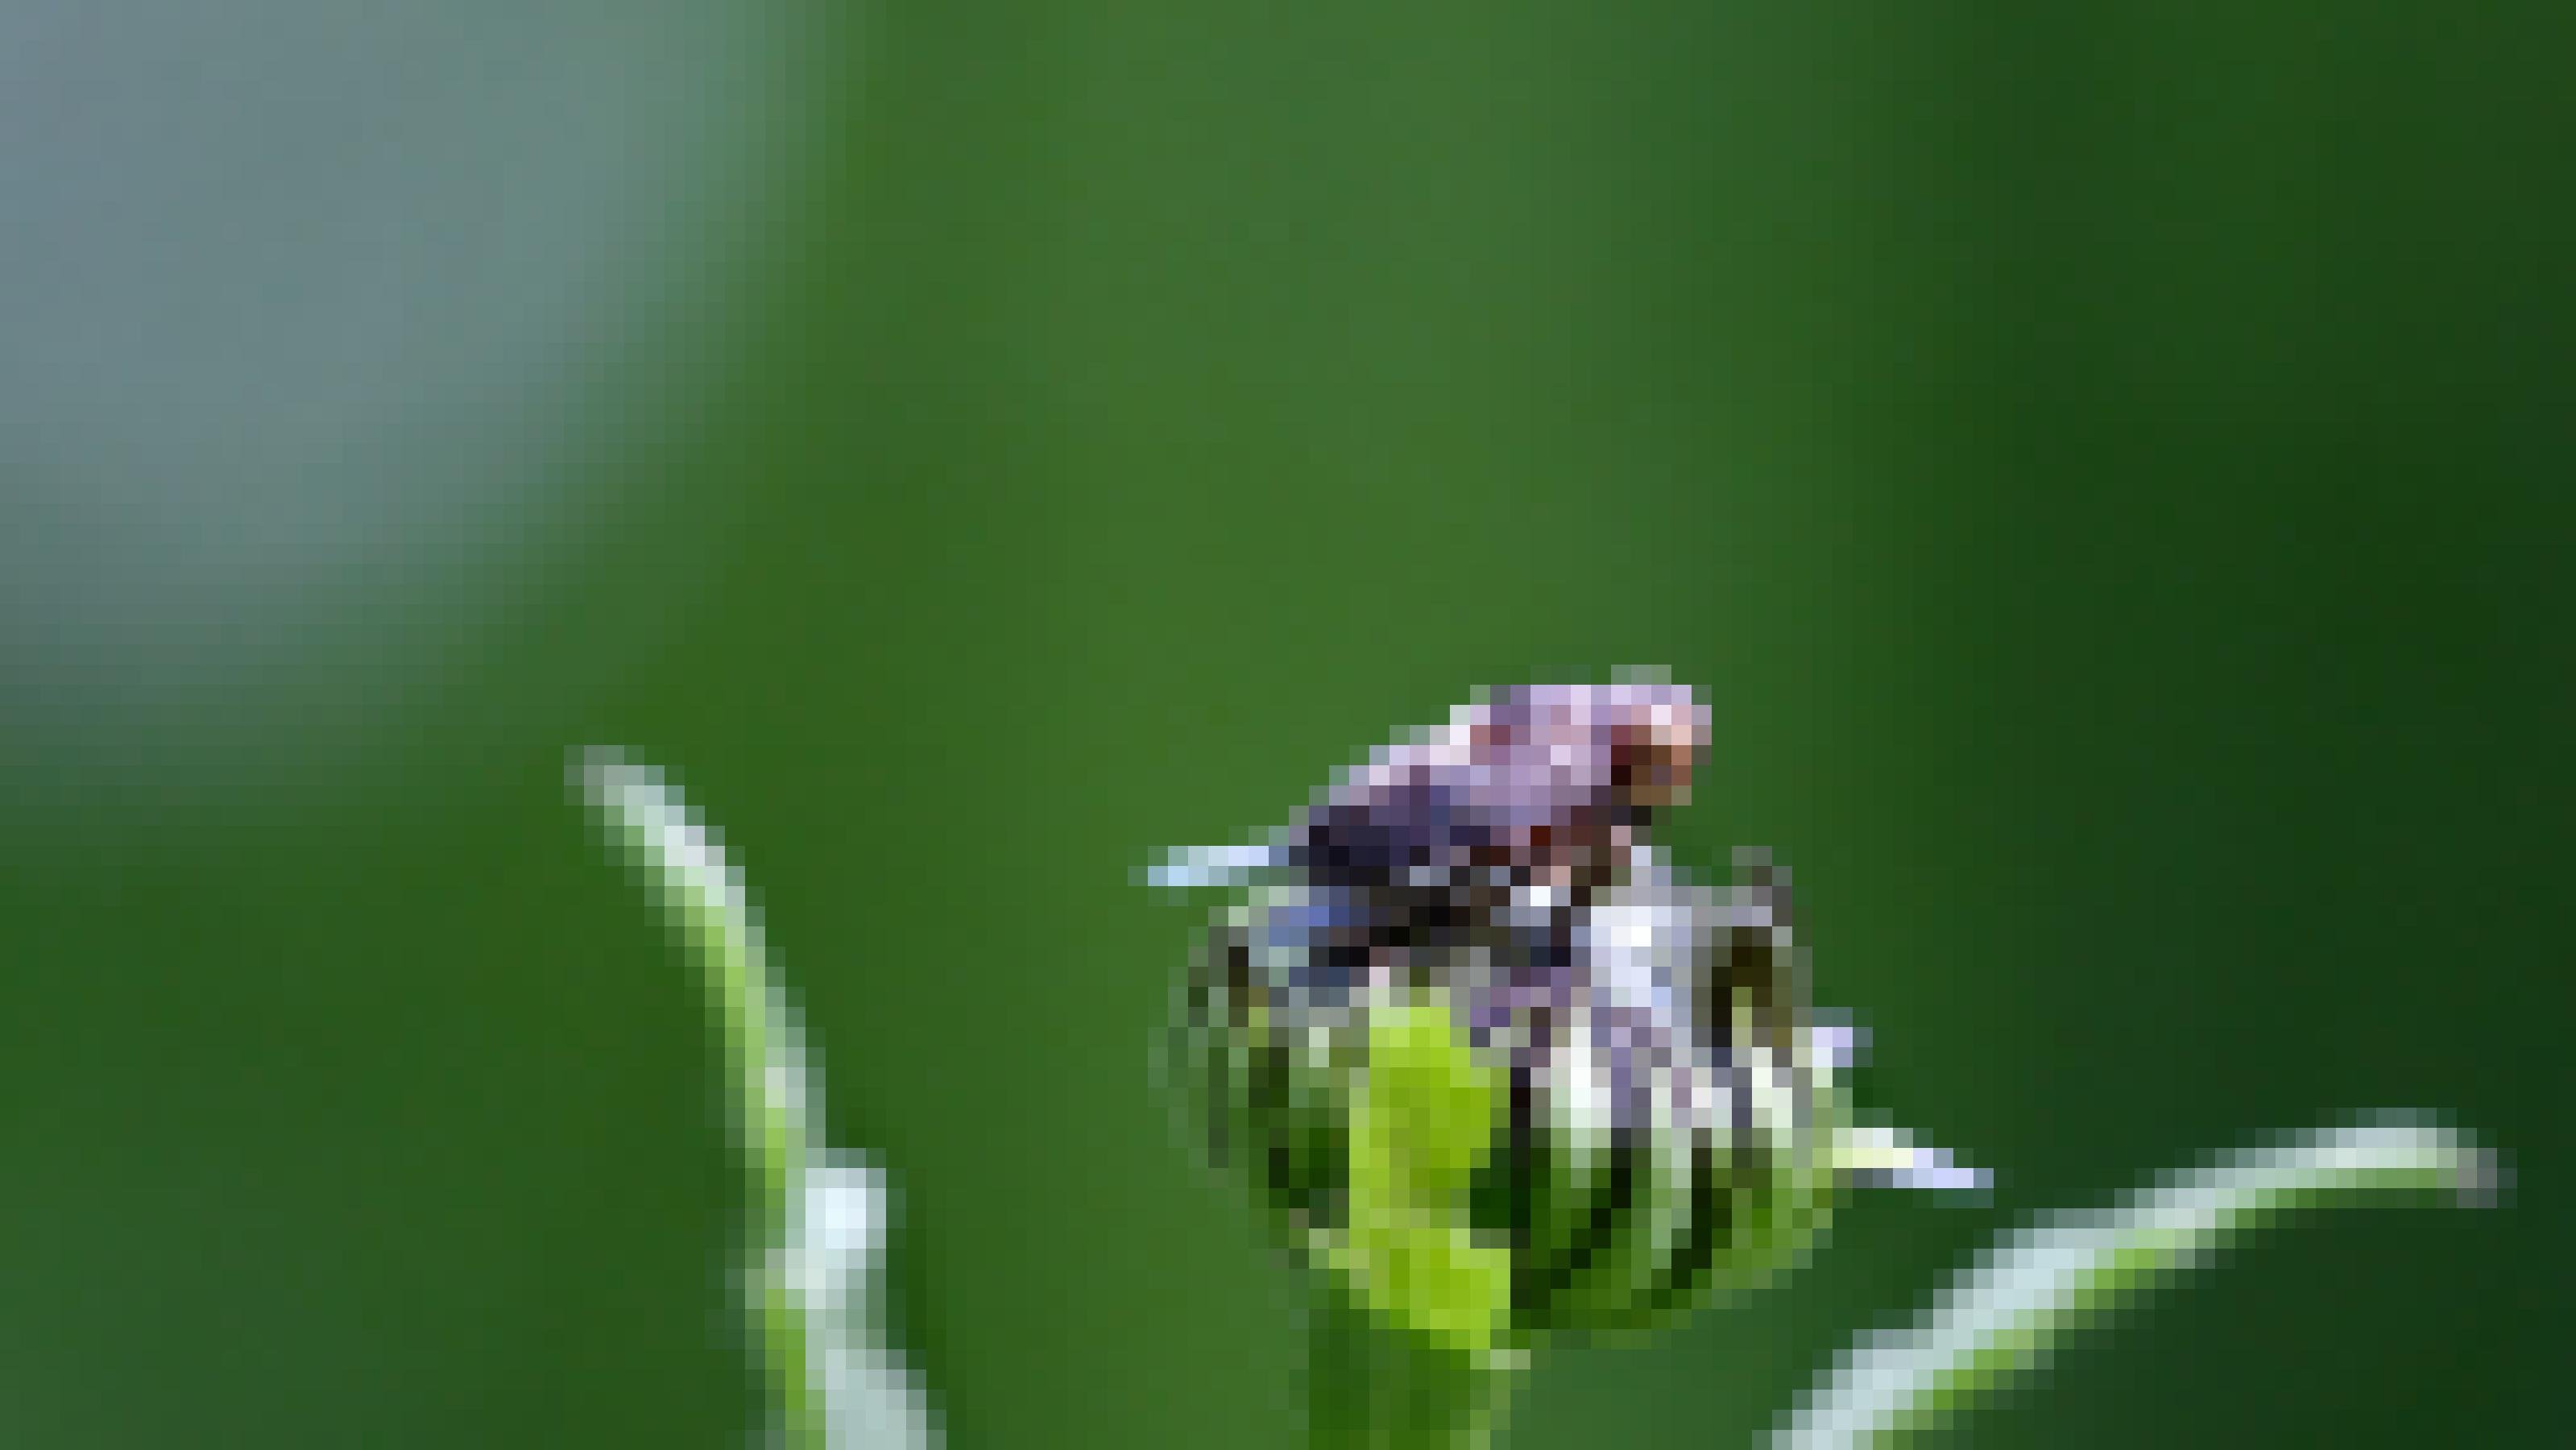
(2104,464)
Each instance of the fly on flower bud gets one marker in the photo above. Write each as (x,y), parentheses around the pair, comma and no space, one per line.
(1489,1058)
(1544,786)
(1494,831)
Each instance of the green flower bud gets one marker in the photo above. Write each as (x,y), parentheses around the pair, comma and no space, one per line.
(1615,1153)
(1491,1064)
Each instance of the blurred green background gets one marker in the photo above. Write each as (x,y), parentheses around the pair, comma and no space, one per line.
(2105,465)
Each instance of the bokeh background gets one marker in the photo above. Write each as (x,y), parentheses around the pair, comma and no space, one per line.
(2104,463)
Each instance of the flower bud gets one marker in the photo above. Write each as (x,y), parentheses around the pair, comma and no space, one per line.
(1489,1059)
(1612,1148)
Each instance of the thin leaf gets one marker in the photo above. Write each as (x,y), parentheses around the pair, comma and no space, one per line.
(2002,1316)
(816,1236)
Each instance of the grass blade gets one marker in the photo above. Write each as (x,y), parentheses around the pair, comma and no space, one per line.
(2000,1317)
(816,1232)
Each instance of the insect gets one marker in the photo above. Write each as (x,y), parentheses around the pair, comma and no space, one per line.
(1496,830)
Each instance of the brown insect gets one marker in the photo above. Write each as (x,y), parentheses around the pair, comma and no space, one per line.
(1497,828)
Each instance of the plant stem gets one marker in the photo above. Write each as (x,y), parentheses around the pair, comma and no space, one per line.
(1372,1386)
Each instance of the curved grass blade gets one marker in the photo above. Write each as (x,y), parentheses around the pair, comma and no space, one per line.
(2001,1316)
(816,1233)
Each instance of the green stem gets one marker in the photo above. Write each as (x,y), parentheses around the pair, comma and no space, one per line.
(1372,1386)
